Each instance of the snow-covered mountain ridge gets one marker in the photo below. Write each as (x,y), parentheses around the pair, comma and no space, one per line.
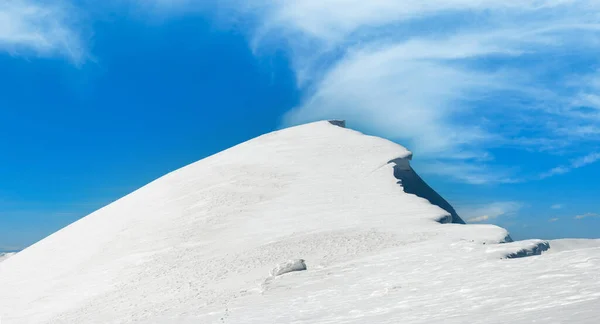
(197,246)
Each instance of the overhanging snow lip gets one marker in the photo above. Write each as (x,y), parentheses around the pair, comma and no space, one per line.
(412,183)
(519,249)
(338,122)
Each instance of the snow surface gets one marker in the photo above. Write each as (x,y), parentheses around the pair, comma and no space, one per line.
(197,245)
(5,255)
(573,244)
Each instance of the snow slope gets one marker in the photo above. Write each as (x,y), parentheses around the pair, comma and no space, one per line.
(197,246)
(5,255)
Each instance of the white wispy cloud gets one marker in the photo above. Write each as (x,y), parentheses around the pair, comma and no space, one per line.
(479,219)
(585,160)
(586,215)
(557,206)
(575,164)
(40,28)
(552,220)
(472,173)
(490,211)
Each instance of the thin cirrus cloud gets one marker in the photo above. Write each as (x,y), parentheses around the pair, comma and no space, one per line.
(587,215)
(575,164)
(467,172)
(483,213)
(40,28)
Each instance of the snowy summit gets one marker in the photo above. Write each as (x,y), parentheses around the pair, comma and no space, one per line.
(353,234)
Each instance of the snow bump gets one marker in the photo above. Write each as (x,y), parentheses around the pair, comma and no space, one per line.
(519,249)
(288,266)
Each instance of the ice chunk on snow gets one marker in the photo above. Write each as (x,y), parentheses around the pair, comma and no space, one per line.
(288,266)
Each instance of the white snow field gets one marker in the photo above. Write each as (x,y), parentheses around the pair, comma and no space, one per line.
(198,245)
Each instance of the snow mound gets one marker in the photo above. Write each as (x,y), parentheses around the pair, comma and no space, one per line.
(288,266)
(519,249)
(194,247)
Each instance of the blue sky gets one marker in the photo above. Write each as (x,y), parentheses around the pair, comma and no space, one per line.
(500,102)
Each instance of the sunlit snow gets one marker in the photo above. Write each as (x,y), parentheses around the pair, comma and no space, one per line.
(199,244)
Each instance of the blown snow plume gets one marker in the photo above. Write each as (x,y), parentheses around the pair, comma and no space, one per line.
(198,245)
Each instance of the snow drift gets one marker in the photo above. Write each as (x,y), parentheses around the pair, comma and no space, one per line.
(288,266)
(197,245)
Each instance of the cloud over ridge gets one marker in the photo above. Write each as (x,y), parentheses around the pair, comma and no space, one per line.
(451,79)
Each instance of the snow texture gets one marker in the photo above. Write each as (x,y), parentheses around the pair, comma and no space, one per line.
(196,246)
(289,266)
(5,255)
(572,245)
